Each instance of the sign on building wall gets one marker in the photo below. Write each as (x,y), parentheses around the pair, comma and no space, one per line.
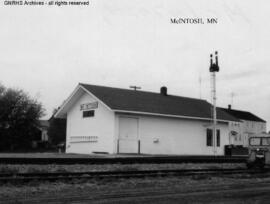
(88,106)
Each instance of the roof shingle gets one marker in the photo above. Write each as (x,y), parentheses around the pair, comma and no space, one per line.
(156,103)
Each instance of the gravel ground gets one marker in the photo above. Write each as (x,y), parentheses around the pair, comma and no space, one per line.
(49,155)
(73,155)
(59,190)
(15,168)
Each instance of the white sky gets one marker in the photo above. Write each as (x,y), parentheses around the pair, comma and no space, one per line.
(47,51)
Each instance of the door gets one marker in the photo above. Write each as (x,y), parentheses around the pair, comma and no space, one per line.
(128,135)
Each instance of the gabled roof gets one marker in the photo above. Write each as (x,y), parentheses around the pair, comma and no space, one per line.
(242,115)
(121,100)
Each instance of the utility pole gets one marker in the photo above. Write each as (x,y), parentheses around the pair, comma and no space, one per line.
(135,87)
(213,69)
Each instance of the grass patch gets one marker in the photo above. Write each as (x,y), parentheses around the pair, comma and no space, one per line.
(126,168)
(201,177)
(9,169)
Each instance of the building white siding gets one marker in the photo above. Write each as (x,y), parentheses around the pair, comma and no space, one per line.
(89,134)
(161,135)
(121,129)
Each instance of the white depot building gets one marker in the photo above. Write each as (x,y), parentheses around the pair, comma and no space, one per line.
(113,120)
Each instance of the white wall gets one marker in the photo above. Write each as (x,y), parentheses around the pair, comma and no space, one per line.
(101,125)
(176,136)
(240,137)
(253,127)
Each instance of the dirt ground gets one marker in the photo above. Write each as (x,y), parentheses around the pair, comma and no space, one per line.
(196,189)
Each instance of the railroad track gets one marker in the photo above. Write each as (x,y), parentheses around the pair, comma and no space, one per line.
(66,176)
(125,160)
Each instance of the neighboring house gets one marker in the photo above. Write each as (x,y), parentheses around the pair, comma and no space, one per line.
(249,125)
(43,127)
(113,120)
(41,134)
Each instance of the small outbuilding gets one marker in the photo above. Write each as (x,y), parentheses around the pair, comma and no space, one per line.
(113,120)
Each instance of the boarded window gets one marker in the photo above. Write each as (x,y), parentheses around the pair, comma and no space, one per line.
(90,113)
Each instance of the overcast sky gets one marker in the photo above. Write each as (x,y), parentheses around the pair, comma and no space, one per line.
(48,50)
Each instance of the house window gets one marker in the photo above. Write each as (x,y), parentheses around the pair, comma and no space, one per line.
(209,137)
(90,113)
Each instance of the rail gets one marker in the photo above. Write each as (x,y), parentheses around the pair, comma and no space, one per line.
(124,160)
(26,177)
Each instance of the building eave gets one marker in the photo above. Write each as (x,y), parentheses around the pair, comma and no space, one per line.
(166,115)
(100,101)
(61,112)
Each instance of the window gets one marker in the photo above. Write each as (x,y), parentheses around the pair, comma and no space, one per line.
(209,137)
(90,113)
(81,139)
(265,141)
(218,138)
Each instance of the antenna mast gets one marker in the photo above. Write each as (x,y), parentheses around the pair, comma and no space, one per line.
(135,87)
(213,69)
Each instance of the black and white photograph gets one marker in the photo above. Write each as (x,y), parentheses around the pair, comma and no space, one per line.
(134,101)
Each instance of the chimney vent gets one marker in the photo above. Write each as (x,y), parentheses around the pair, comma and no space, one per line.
(229,106)
(163,91)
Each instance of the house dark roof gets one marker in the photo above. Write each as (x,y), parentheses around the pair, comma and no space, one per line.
(242,115)
(44,123)
(155,103)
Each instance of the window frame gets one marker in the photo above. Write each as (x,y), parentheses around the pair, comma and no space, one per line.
(86,113)
(209,137)
(218,137)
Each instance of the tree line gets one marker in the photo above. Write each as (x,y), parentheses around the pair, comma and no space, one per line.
(19,121)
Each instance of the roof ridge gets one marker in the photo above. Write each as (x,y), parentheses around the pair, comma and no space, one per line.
(151,102)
